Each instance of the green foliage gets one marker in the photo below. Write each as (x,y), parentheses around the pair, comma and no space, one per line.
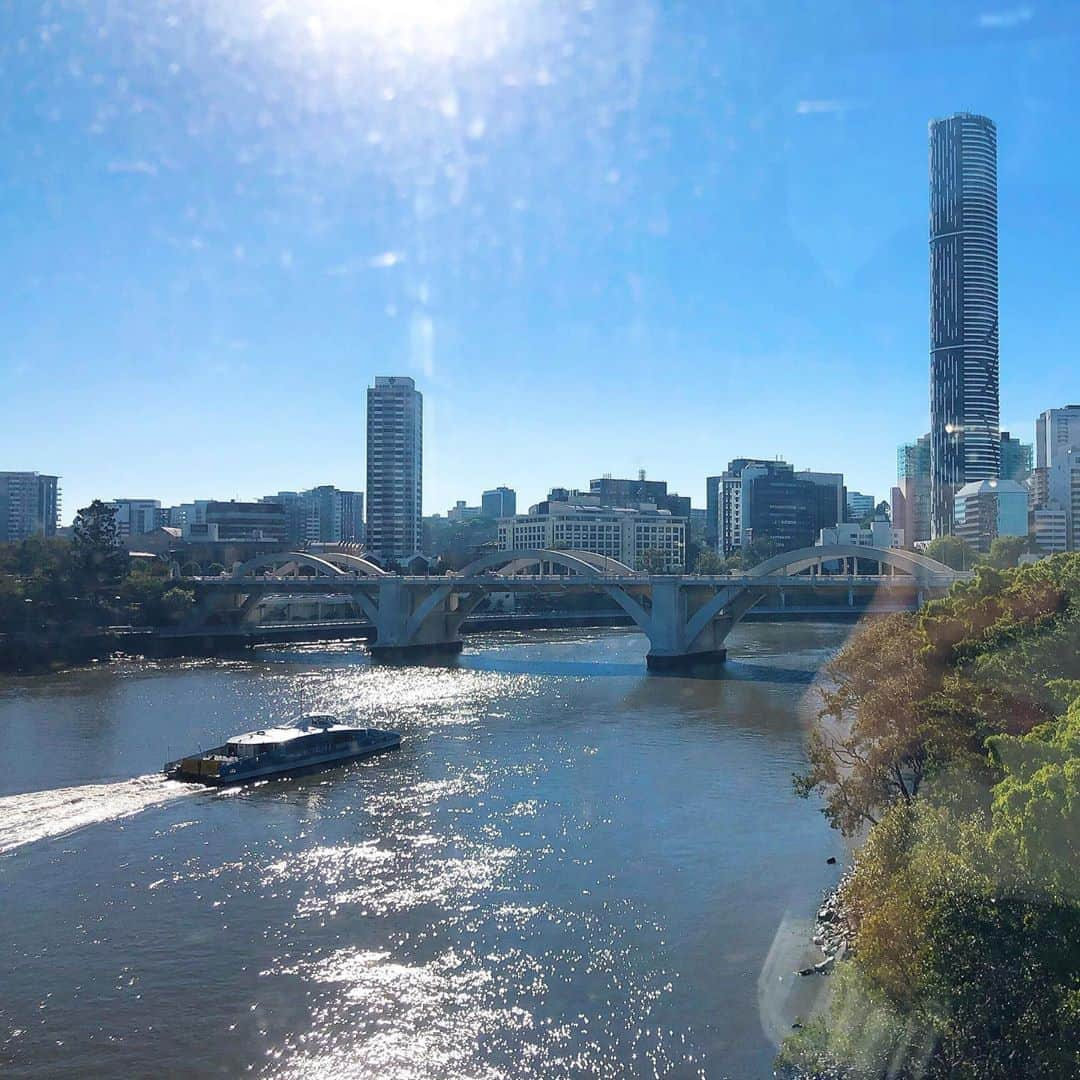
(952,551)
(1005,551)
(965,898)
(1036,805)
(59,588)
(97,554)
(653,561)
(215,569)
(709,562)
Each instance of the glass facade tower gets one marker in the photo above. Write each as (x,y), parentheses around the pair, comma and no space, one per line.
(964,418)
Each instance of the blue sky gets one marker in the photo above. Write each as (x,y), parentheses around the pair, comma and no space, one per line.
(602,236)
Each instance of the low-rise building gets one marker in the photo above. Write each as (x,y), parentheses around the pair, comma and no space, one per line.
(878,533)
(640,538)
(460,512)
(136,517)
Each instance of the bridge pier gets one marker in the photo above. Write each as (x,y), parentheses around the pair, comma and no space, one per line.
(414,624)
(681,630)
(433,652)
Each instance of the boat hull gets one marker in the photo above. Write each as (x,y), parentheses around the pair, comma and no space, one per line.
(201,769)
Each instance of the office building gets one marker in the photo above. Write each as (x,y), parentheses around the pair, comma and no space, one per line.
(498,503)
(1055,482)
(395,451)
(640,493)
(757,499)
(986,509)
(321,515)
(1056,430)
(832,495)
(964,418)
(778,506)
(911,496)
(723,506)
(624,533)
(136,517)
(29,505)
(183,514)
(1063,487)
(240,522)
(1049,528)
(459,512)
(1017,459)
(859,506)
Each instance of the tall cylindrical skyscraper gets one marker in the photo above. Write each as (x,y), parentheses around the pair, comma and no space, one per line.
(964,416)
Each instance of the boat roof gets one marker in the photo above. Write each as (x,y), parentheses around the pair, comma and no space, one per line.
(305,726)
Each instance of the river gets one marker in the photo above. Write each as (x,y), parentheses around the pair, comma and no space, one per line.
(570,868)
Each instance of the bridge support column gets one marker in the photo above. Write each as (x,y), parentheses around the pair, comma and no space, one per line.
(412,626)
(673,644)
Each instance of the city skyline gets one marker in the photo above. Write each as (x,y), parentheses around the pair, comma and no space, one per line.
(751,246)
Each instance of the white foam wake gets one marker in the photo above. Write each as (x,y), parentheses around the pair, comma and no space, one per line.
(38,815)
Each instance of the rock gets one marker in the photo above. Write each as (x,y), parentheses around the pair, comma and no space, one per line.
(831,860)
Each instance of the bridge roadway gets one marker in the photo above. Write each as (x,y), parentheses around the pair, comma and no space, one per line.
(686,617)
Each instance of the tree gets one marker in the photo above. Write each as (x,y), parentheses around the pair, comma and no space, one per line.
(874,738)
(765,547)
(963,906)
(1005,551)
(709,562)
(215,569)
(953,551)
(97,554)
(653,561)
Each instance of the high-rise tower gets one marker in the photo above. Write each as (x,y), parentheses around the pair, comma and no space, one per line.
(395,455)
(964,419)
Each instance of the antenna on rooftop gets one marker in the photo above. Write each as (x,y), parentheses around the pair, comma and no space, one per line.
(641,474)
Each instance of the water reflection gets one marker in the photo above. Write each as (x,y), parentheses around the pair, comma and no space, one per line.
(556,874)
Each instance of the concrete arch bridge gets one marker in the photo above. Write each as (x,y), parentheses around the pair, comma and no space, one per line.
(686,617)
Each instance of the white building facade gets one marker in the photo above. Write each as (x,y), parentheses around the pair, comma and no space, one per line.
(622,534)
(136,517)
(395,454)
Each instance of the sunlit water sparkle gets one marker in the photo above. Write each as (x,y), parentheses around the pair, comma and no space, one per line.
(569,868)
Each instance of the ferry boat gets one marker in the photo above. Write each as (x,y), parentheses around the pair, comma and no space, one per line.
(313,740)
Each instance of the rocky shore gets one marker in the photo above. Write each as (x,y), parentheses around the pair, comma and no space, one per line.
(833,934)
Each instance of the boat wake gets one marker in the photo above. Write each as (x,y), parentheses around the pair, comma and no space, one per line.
(39,815)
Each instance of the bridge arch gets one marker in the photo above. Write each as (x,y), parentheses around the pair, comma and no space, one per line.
(281,559)
(919,566)
(356,563)
(584,563)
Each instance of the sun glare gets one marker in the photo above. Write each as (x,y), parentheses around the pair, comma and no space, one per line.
(428,26)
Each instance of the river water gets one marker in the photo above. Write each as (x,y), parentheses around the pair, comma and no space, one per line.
(570,868)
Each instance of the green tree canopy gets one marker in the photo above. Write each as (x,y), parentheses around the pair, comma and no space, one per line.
(709,562)
(953,551)
(97,553)
(1005,551)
